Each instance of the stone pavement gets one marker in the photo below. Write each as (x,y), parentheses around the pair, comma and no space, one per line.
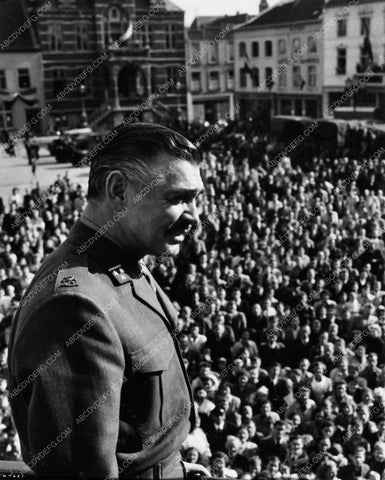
(15,172)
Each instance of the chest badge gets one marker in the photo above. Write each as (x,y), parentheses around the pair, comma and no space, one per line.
(69,282)
(119,275)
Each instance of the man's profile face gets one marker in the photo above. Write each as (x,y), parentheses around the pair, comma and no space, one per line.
(160,221)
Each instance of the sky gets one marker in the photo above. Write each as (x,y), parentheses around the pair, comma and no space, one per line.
(193,8)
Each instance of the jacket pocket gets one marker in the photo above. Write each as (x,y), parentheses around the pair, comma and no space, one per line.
(155,355)
(149,365)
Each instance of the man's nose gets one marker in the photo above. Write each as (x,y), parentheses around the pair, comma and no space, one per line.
(191,208)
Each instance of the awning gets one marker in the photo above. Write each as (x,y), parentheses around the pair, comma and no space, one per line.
(27,95)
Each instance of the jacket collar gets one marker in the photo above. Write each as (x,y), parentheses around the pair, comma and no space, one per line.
(109,255)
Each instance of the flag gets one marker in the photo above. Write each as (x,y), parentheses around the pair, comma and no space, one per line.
(128,33)
(124,37)
(248,69)
(367,48)
(252,71)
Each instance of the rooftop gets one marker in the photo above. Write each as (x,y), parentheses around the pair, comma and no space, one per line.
(13,15)
(288,12)
(219,21)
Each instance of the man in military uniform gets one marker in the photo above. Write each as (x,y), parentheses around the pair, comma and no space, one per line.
(97,384)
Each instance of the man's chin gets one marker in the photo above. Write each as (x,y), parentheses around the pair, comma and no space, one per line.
(172,248)
(168,249)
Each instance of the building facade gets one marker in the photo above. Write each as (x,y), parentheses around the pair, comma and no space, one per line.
(279,61)
(21,69)
(354,74)
(210,76)
(103,59)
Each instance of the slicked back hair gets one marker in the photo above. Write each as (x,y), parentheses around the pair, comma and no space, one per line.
(136,151)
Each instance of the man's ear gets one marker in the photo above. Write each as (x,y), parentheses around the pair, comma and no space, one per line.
(116,188)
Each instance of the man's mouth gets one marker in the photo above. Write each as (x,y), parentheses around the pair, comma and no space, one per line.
(180,230)
(179,233)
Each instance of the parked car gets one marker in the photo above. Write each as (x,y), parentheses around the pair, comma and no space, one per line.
(72,145)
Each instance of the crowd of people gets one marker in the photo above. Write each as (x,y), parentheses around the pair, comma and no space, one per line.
(281,315)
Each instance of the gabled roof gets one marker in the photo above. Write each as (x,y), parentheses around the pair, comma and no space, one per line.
(231,19)
(13,15)
(287,12)
(166,5)
(198,22)
(171,7)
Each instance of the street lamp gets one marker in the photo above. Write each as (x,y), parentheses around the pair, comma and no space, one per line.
(84,116)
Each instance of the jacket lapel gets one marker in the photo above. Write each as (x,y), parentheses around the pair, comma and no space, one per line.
(142,291)
(166,304)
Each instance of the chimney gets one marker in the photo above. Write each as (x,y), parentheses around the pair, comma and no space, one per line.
(263,5)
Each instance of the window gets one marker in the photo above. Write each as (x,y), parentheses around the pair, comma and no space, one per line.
(268,48)
(269,76)
(312,44)
(365,26)
(140,83)
(55,37)
(286,107)
(341,27)
(114,13)
(312,76)
(255,49)
(230,80)
(213,54)
(195,48)
(196,83)
(154,78)
(115,25)
(213,81)
(341,61)
(24,78)
(242,50)
(297,79)
(256,77)
(3,80)
(242,78)
(282,46)
(230,52)
(145,36)
(365,99)
(81,37)
(58,81)
(311,108)
(296,44)
(171,36)
(282,79)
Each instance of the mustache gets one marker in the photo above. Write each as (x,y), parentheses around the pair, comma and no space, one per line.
(183,224)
